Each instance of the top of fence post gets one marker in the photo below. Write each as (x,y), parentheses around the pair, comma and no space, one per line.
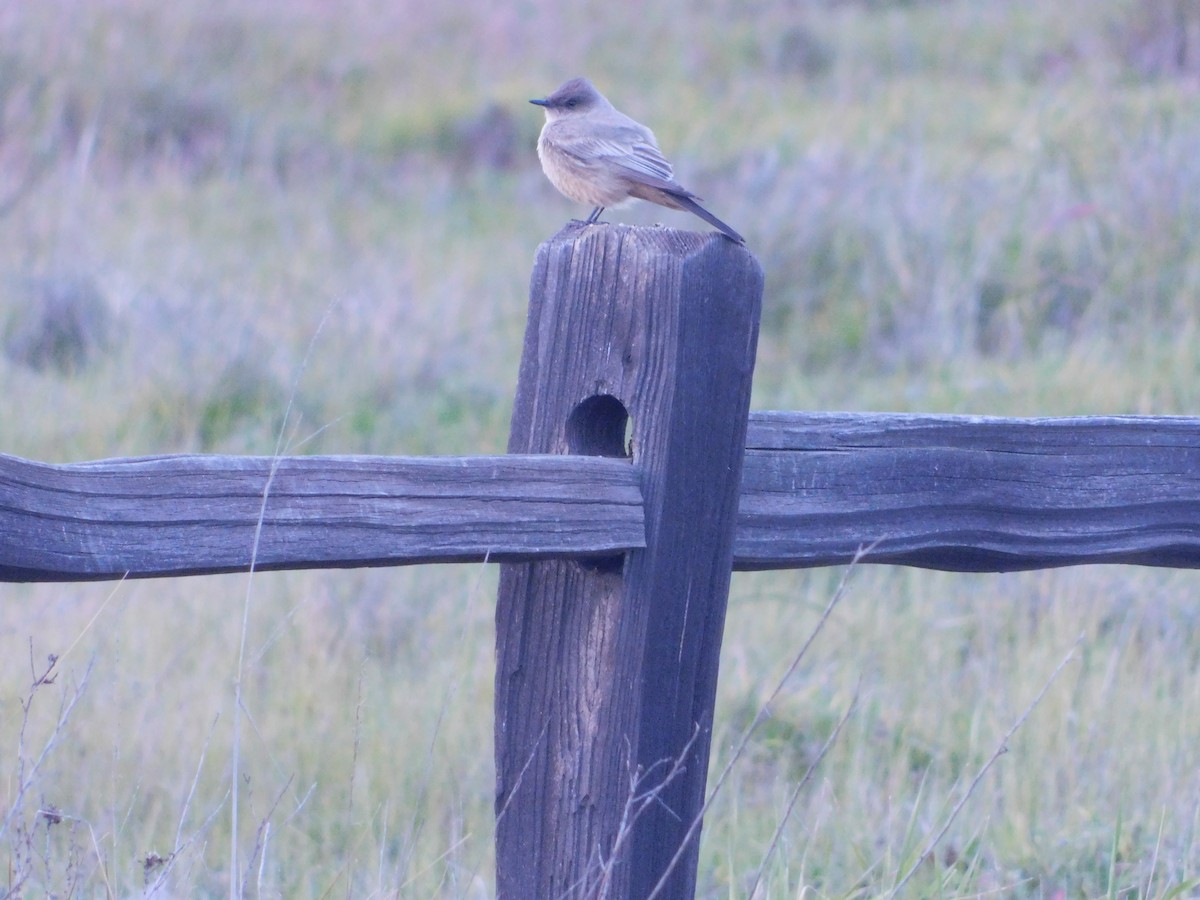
(606,672)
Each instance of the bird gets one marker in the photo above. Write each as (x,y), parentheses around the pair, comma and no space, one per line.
(597,155)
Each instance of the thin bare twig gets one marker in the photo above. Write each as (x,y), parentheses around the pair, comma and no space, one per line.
(1001,749)
(238,705)
(27,772)
(829,741)
(637,803)
(358,706)
(759,718)
(260,838)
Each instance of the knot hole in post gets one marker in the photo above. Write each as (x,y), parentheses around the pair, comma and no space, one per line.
(600,426)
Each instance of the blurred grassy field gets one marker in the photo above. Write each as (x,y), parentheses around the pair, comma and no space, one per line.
(238,228)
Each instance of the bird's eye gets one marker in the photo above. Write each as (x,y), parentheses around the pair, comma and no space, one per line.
(572,103)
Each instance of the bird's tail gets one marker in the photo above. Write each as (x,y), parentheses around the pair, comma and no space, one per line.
(686,202)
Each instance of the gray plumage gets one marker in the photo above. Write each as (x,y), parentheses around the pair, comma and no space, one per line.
(597,155)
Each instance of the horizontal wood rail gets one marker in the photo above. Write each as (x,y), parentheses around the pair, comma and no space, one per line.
(969,494)
(192,515)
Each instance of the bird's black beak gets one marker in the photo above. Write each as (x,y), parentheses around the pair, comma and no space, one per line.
(540,102)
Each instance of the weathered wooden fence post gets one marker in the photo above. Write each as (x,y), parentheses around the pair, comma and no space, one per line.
(606,672)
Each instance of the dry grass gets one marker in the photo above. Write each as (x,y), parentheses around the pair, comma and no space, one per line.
(211,211)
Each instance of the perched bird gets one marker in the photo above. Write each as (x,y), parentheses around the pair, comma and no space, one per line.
(596,155)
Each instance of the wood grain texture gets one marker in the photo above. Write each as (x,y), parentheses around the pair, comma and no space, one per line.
(961,493)
(606,675)
(186,515)
(969,494)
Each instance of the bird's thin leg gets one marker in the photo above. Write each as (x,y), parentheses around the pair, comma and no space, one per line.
(594,217)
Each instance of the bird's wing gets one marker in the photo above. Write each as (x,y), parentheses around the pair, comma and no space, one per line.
(633,149)
(647,159)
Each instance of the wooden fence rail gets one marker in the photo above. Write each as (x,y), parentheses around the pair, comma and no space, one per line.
(635,483)
(969,494)
(960,493)
(194,515)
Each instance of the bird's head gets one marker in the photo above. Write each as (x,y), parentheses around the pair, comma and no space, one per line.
(572,98)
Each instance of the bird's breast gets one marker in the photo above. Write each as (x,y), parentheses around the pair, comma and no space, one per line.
(595,181)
